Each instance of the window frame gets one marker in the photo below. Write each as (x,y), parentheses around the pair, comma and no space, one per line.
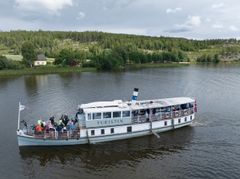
(179,120)
(129,129)
(112,131)
(89,114)
(117,112)
(127,112)
(109,117)
(165,123)
(93,115)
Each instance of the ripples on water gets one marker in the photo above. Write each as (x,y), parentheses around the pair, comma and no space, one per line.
(210,148)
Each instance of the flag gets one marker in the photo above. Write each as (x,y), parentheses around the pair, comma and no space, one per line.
(21,107)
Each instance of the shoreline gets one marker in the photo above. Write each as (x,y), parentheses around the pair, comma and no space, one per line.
(44,70)
(59,70)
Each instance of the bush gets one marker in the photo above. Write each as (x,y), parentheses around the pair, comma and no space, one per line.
(106,62)
(208,59)
(9,64)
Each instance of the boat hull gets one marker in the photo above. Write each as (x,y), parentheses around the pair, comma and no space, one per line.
(31,141)
(146,129)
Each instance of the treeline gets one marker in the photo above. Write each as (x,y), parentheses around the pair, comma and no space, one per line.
(103,50)
(47,40)
(118,57)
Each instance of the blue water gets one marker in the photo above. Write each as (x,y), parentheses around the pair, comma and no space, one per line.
(210,148)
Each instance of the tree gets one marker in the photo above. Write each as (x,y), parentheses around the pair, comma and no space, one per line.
(8,64)
(68,57)
(28,53)
(216,58)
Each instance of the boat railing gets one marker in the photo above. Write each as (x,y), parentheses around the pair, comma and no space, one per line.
(162,116)
(54,135)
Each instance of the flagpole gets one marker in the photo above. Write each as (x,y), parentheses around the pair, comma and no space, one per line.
(18,116)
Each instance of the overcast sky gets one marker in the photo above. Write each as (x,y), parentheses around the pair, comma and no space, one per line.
(198,19)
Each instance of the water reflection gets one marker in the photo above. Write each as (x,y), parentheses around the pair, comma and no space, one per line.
(112,153)
(33,83)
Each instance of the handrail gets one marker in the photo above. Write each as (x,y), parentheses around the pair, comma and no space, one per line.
(55,135)
(162,116)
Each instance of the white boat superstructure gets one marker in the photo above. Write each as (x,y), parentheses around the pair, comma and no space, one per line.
(115,120)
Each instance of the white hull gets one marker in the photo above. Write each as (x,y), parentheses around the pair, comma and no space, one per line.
(120,133)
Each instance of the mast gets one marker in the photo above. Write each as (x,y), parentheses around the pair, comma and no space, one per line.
(18,127)
(20,108)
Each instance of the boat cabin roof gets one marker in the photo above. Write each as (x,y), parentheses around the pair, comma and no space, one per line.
(119,105)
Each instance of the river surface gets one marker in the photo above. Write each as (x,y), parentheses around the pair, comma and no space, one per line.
(210,148)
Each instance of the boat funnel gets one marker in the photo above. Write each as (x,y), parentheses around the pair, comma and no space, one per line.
(135,95)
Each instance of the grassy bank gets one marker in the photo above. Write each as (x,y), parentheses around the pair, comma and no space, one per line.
(44,70)
(56,70)
(157,65)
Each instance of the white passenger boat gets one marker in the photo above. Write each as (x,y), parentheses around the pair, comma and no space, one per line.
(113,120)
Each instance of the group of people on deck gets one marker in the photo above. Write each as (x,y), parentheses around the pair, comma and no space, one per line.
(63,124)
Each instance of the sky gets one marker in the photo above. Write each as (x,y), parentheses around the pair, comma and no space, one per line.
(193,19)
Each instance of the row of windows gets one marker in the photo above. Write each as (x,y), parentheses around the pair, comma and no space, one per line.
(129,129)
(107,115)
(102,131)
(185,119)
(119,114)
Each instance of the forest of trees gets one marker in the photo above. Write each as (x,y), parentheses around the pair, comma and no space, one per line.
(105,51)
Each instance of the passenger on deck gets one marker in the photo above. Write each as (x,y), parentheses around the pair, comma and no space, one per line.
(49,126)
(52,120)
(65,120)
(38,129)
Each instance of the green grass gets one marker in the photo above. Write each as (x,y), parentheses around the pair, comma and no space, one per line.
(20,57)
(44,70)
(14,57)
(157,65)
(56,69)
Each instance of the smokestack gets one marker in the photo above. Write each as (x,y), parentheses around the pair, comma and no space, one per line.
(135,95)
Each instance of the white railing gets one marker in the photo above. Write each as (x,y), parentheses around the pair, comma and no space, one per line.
(162,116)
(55,135)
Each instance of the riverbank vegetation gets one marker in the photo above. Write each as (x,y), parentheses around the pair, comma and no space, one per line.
(44,70)
(106,51)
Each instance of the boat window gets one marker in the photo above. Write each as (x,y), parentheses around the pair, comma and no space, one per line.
(190,117)
(142,112)
(126,114)
(176,108)
(107,115)
(165,123)
(190,105)
(153,111)
(89,116)
(102,131)
(92,132)
(135,113)
(166,109)
(184,106)
(97,115)
(156,111)
(185,119)
(179,120)
(116,114)
(112,130)
(129,129)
